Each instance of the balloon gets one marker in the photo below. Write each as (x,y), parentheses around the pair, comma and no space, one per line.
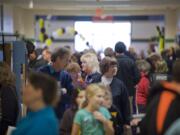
(60,32)
(48,42)
(41,23)
(41,37)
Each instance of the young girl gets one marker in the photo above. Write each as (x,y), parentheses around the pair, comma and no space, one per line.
(143,85)
(93,119)
(78,98)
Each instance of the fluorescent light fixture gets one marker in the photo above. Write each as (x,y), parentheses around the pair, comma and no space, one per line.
(31,4)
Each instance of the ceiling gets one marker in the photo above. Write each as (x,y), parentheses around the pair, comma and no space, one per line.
(92,4)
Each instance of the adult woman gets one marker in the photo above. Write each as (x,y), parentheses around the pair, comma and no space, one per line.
(39,94)
(90,66)
(8,99)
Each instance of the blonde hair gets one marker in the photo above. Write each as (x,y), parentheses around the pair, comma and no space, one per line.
(91,91)
(92,61)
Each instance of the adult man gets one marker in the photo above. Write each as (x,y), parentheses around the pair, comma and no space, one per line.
(127,70)
(60,59)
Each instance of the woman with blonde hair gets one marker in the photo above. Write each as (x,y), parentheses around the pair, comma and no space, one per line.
(8,99)
(90,65)
(93,118)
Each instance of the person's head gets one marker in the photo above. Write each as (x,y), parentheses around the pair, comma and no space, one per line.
(90,63)
(107,97)
(60,58)
(120,47)
(6,76)
(176,71)
(32,56)
(78,98)
(143,66)
(73,69)
(108,67)
(109,52)
(161,67)
(46,54)
(41,89)
(94,96)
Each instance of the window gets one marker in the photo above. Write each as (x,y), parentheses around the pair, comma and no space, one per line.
(100,35)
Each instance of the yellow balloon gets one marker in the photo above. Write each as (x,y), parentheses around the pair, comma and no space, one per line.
(48,42)
(41,23)
(41,37)
(59,32)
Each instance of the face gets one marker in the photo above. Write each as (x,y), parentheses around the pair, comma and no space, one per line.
(85,66)
(107,102)
(97,100)
(74,75)
(31,95)
(46,55)
(112,71)
(62,62)
(80,98)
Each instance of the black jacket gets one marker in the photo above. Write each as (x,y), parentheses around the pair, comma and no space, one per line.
(120,99)
(148,125)
(128,73)
(9,106)
(116,118)
(93,78)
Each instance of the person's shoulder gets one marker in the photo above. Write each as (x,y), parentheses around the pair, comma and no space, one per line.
(45,68)
(118,81)
(103,110)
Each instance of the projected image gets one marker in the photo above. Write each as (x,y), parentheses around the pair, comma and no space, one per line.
(101,35)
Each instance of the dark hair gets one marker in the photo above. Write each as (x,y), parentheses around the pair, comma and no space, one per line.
(61,52)
(6,76)
(106,63)
(120,47)
(47,84)
(176,71)
(74,104)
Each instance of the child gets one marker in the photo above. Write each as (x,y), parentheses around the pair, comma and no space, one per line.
(74,70)
(78,98)
(93,119)
(116,116)
(143,85)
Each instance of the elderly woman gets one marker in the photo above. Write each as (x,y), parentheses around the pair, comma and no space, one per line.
(8,99)
(119,91)
(39,94)
(90,66)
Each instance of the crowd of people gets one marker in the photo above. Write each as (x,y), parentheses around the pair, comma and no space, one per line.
(81,93)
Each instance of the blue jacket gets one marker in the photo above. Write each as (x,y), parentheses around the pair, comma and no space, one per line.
(66,82)
(42,122)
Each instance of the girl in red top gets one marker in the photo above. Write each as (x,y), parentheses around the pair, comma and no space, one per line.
(143,85)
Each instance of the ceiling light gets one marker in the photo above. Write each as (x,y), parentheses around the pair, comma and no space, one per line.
(31,4)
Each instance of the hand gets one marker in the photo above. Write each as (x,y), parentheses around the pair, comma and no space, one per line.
(127,126)
(135,122)
(99,116)
(64,91)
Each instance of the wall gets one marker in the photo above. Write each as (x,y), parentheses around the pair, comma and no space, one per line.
(25,18)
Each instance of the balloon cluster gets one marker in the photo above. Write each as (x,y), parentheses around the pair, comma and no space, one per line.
(43,37)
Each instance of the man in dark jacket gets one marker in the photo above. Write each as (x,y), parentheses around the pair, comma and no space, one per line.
(127,70)
(60,59)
